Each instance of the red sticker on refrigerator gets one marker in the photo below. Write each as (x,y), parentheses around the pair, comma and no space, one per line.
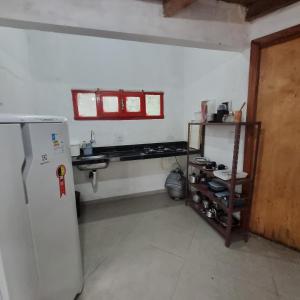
(61,173)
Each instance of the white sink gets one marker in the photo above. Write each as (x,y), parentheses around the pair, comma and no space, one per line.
(93,162)
(95,166)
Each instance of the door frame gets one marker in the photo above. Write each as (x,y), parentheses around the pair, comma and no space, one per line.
(254,73)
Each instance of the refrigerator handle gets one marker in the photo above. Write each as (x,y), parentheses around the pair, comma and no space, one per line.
(23,180)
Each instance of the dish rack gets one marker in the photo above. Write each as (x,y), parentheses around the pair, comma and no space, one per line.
(229,229)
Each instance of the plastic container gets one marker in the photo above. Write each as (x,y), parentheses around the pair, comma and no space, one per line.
(87,149)
(75,149)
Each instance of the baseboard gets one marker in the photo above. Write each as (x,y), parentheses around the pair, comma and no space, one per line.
(129,196)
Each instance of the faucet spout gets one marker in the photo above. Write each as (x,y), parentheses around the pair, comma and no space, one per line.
(93,140)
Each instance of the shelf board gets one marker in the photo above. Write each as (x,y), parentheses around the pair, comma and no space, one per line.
(225,123)
(210,173)
(235,231)
(204,190)
(194,151)
(227,183)
(218,227)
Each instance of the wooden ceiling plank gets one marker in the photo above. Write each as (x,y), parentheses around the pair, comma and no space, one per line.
(264,7)
(172,7)
(241,2)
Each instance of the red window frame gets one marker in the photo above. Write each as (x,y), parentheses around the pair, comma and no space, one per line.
(142,111)
(161,104)
(122,114)
(108,115)
(75,104)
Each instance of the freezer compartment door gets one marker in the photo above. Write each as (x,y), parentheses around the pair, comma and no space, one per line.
(18,273)
(51,201)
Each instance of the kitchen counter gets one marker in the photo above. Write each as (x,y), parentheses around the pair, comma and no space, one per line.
(136,152)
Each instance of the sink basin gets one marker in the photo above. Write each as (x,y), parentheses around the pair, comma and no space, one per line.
(93,157)
(94,166)
(94,162)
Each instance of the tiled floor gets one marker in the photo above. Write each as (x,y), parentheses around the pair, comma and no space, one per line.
(154,248)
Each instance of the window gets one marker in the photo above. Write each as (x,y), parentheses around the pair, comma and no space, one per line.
(117,105)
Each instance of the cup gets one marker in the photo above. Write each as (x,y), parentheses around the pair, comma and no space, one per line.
(238,116)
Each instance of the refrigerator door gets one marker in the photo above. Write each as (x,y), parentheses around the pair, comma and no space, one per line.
(18,274)
(3,284)
(51,200)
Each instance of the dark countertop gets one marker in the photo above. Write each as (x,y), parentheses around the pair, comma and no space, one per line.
(136,152)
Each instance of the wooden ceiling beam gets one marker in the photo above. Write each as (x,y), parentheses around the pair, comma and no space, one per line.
(258,8)
(255,8)
(241,2)
(264,7)
(172,7)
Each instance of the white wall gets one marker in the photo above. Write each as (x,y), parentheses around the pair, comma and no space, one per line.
(38,71)
(278,20)
(60,62)
(128,177)
(217,76)
(55,63)
(15,80)
(219,25)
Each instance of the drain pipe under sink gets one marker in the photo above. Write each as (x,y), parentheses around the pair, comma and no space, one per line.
(93,176)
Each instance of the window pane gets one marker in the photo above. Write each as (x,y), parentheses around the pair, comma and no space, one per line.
(133,104)
(153,105)
(110,104)
(87,104)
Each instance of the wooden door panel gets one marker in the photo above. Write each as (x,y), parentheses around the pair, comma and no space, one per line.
(276,203)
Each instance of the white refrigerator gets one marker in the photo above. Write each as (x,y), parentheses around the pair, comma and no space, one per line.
(40,257)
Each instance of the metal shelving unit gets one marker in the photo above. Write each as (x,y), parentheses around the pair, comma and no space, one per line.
(229,232)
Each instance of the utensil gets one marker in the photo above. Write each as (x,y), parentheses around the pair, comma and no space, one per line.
(196,198)
(242,106)
(211,213)
(193,178)
(205,204)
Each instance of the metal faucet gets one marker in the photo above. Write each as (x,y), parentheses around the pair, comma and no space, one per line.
(93,140)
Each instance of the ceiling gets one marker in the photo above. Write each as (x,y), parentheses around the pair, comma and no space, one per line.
(254,8)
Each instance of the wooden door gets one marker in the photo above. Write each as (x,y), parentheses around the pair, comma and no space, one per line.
(276,203)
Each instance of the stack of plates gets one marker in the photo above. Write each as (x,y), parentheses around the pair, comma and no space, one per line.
(226,174)
(200,160)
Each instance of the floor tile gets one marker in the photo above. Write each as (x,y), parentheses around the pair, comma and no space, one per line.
(99,238)
(206,283)
(154,248)
(147,273)
(165,230)
(287,278)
